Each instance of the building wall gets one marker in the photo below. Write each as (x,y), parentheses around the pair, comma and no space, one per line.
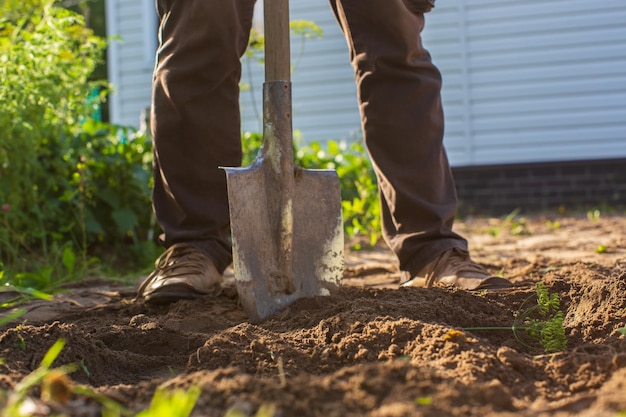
(524,81)
(132,27)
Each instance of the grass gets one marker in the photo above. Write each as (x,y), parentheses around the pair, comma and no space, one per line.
(513,224)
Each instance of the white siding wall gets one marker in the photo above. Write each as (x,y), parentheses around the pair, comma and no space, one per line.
(524,81)
(130,57)
(546,79)
(324,94)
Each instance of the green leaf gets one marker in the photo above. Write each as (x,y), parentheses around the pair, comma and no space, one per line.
(52,353)
(125,219)
(27,291)
(12,316)
(69,260)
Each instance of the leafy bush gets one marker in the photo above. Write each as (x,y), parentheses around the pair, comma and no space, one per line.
(66,182)
(111,189)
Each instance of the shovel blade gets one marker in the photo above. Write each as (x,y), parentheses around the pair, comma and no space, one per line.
(317,242)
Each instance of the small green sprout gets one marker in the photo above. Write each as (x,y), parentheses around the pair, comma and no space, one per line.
(541,323)
(594,215)
(423,401)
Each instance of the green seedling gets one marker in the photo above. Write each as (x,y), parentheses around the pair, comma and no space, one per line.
(517,225)
(594,215)
(423,401)
(175,403)
(553,225)
(622,331)
(539,324)
(22,294)
(84,368)
(601,249)
(14,315)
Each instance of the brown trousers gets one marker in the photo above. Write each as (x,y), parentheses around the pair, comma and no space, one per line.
(196,122)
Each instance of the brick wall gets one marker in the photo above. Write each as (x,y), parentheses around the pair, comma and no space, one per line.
(498,190)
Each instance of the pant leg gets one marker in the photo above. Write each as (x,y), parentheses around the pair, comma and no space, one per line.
(196,120)
(402,119)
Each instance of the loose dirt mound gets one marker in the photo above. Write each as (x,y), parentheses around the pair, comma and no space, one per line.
(371,350)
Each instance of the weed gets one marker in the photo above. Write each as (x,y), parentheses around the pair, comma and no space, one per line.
(22,294)
(423,401)
(540,324)
(622,330)
(594,215)
(547,328)
(517,225)
(14,315)
(553,225)
(512,223)
(175,403)
(84,368)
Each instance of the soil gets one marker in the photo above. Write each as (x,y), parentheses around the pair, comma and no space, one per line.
(374,349)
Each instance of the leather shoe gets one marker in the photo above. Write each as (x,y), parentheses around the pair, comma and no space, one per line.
(455,268)
(181,272)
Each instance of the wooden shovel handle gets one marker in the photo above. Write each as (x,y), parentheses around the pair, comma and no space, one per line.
(277,52)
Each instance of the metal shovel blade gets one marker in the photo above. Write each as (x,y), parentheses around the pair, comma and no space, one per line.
(317,242)
(286,224)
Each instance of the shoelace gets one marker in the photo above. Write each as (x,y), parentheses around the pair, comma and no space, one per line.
(178,260)
(184,257)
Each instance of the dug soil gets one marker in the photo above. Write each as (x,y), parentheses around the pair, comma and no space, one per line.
(374,349)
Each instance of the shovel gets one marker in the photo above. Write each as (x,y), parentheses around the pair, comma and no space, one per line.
(286,225)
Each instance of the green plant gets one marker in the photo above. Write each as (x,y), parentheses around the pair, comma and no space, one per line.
(49,54)
(174,403)
(516,224)
(594,215)
(21,391)
(553,225)
(111,185)
(540,324)
(423,401)
(11,316)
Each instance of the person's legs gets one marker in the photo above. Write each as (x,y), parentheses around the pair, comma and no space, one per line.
(195,119)
(400,103)
(196,129)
